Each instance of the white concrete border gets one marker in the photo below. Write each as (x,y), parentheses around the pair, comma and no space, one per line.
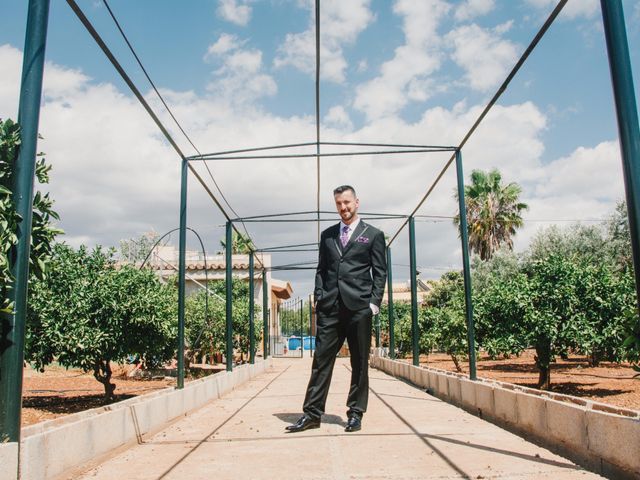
(9,460)
(50,448)
(601,437)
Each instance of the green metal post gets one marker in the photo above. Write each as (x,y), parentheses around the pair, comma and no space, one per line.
(376,320)
(627,113)
(182,267)
(265,316)
(252,327)
(301,329)
(228,250)
(13,325)
(413,274)
(466,268)
(392,333)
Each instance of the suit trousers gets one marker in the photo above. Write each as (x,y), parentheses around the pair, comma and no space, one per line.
(333,326)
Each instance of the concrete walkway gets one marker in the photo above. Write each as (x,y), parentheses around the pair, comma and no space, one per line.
(407,434)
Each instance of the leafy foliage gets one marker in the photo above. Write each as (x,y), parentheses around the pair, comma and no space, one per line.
(291,322)
(87,313)
(568,292)
(42,231)
(402,327)
(619,237)
(240,244)
(550,316)
(620,250)
(207,336)
(493,212)
(443,319)
(562,295)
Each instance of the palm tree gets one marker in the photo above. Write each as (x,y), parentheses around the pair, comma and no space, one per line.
(240,244)
(493,212)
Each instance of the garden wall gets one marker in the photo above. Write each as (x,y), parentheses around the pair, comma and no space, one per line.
(50,448)
(600,437)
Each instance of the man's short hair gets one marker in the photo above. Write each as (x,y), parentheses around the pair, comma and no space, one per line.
(342,189)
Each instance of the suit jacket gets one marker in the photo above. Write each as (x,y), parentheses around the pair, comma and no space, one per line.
(357,272)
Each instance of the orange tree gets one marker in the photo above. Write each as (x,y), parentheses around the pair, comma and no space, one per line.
(562,295)
(206,336)
(87,313)
(42,233)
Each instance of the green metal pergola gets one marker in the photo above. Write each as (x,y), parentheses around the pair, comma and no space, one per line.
(13,325)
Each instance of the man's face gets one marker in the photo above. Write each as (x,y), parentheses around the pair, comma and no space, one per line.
(347,206)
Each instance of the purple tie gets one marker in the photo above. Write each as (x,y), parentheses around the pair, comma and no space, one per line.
(344,236)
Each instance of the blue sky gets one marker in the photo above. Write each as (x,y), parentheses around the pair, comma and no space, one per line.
(238,74)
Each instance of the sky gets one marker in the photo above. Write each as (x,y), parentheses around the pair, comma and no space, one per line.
(241,74)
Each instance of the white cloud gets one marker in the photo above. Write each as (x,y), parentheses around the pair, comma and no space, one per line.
(11,61)
(341,23)
(585,185)
(115,177)
(239,79)
(572,10)
(112,174)
(485,57)
(402,77)
(225,44)
(248,61)
(594,170)
(339,118)
(473,8)
(234,11)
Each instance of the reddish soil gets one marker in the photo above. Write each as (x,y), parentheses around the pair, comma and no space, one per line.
(610,383)
(59,391)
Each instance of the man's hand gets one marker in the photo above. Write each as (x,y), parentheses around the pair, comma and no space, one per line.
(374,309)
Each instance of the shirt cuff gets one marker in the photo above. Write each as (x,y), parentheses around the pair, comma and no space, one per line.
(374,309)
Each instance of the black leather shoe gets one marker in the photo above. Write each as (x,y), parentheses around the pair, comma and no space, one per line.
(304,423)
(353,424)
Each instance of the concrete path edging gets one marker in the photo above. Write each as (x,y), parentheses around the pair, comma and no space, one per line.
(600,437)
(48,449)
(9,460)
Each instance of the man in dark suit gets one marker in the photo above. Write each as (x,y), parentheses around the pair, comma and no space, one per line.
(350,280)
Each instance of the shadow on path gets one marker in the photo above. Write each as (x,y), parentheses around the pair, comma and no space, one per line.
(290,418)
(210,434)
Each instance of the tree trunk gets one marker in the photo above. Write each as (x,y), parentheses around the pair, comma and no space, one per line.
(456,362)
(102,373)
(543,362)
(594,358)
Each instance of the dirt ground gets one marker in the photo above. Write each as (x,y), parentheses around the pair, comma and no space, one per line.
(59,391)
(609,383)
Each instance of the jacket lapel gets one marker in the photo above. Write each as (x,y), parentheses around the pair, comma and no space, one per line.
(336,240)
(360,229)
